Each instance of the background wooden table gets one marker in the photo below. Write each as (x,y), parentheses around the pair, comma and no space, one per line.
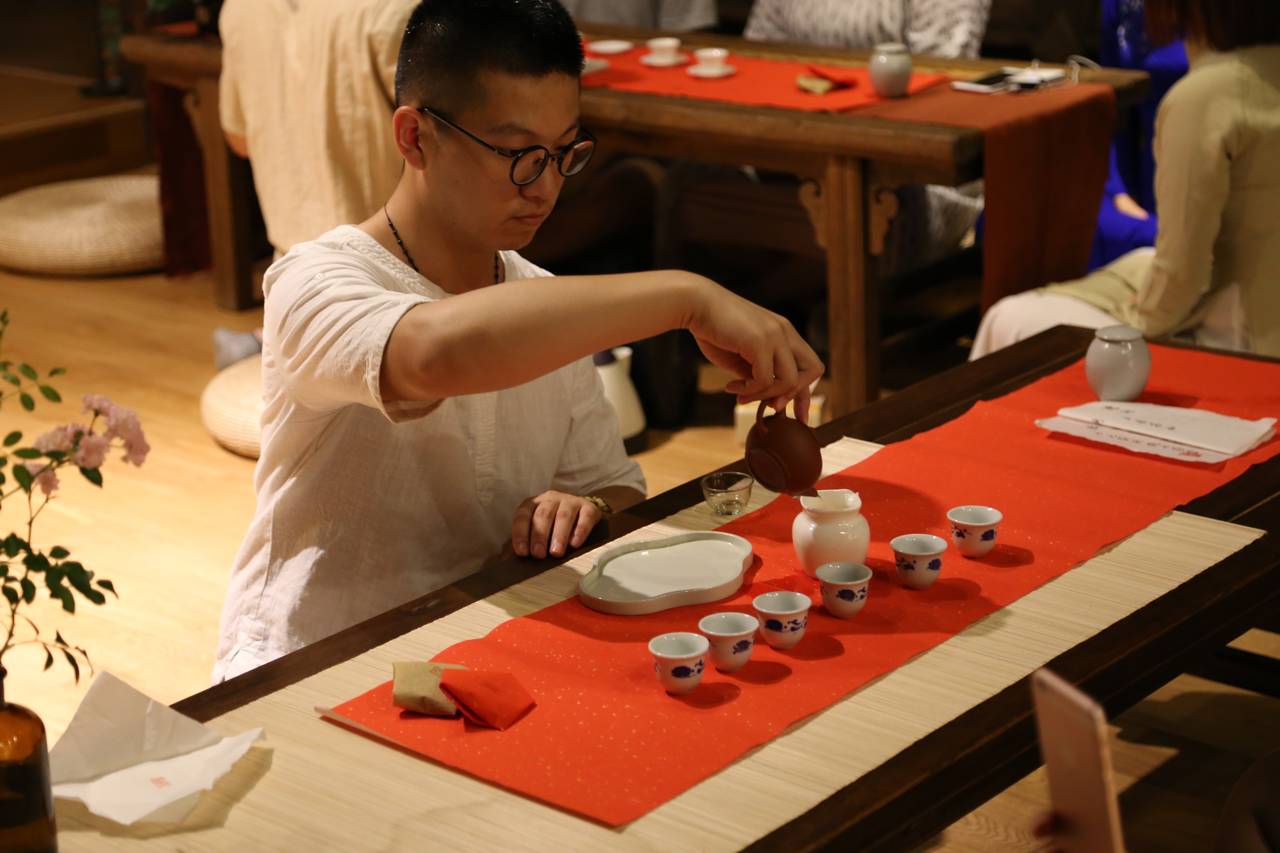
(852,159)
(960,764)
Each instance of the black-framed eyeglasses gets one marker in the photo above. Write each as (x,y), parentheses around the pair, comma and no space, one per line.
(528,164)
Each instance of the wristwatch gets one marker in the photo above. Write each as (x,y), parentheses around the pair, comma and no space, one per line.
(600,503)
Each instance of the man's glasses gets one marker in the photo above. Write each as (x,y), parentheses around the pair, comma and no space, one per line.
(528,164)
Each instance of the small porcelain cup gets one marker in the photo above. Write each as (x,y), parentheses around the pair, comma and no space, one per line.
(664,49)
(918,557)
(732,638)
(783,617)
(973,529)
(712,59)
(679,659)
(844,588)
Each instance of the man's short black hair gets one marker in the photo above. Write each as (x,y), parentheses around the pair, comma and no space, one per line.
(447,43)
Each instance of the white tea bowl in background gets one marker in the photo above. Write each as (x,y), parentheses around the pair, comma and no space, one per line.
(974,528)
(783,616)
(844,588)
(732,637)
(918,557)
(679,659)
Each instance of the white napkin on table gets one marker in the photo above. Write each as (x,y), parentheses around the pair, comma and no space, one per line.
(129,757)
(1195,435)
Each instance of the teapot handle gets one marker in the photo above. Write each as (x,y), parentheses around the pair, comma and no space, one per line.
(760,415)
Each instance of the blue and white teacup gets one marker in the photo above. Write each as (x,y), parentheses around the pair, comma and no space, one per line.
(974,528)
(679,659)
(732,637)
(844,588)
(783,616)
(918,557)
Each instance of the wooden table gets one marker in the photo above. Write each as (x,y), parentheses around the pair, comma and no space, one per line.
(852,159)
(947,773)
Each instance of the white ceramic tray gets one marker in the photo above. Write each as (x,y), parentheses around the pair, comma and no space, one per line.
(645,577)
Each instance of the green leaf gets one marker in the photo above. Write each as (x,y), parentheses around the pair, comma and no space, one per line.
(71,659)
(68,600)
(57,635)
(50,394)
(27,453)
(11,379)
(4,570)
(28,590)
(12,438)
(59,553)
(2,478)
(27,401)
(23,476)
(93,475)
(48,658)
(36,562)
(57,371)
(28,371)
(13,545)
(80,580)
(56,455)
(109,587)
(11,594)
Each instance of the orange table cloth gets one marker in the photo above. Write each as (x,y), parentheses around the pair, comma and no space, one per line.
(607,743)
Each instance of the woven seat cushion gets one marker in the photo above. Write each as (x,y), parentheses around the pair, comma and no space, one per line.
(231,407)
(96,226)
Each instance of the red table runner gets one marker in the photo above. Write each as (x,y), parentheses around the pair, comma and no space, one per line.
(757,82)
(606,743)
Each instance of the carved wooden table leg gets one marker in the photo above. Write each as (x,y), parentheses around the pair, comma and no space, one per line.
(853,320)
(228,185)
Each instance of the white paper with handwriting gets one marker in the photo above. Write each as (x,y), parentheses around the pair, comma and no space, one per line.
(1191,435)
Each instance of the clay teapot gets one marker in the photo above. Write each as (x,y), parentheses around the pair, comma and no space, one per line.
(783,453)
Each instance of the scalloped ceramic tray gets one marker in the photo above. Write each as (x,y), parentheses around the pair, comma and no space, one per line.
(645,577)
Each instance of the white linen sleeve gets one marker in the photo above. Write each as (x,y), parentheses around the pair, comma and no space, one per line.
(947,28)
(327,330)
(230,106)
(686,14)
(1194,143)
(767,22)
(593,455)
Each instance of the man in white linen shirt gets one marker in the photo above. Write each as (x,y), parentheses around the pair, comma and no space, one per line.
(429,394)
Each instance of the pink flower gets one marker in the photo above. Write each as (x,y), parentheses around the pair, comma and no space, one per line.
(59,439)
(44,476)
(92,452)
(122,423)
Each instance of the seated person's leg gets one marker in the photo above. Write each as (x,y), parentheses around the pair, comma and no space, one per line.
(1017,317)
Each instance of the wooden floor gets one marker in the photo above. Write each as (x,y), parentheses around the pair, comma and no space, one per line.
(166,535)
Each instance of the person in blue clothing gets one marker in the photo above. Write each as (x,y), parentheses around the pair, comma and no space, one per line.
(1125,219)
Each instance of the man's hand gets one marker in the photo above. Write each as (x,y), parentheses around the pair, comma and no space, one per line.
(552,523)
(770,359)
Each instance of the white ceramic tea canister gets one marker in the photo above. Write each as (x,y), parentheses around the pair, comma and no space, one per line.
(890,68)
(1118,363)
(830,529)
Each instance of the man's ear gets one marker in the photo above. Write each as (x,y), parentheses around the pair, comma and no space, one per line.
(412,136)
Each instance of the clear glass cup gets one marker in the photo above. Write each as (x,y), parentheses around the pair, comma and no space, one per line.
(727,492)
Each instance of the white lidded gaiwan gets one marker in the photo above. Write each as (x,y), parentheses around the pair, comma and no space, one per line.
(830,529)
(1118,363)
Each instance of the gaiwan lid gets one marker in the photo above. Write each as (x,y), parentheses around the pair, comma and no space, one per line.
(832,500)
(1118,334)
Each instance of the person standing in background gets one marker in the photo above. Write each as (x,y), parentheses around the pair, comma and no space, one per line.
(654,14)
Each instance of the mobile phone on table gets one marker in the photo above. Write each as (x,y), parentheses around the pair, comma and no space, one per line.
(997,81)
(1073,742)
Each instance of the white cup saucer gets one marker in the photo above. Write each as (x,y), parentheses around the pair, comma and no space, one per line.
(656,61)
(711,72)
(609,46)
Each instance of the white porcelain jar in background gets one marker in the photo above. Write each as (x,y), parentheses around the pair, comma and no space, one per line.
(1118,363)
(890,67)
(830,529)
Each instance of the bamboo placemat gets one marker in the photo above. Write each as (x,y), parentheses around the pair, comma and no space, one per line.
(316,786)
